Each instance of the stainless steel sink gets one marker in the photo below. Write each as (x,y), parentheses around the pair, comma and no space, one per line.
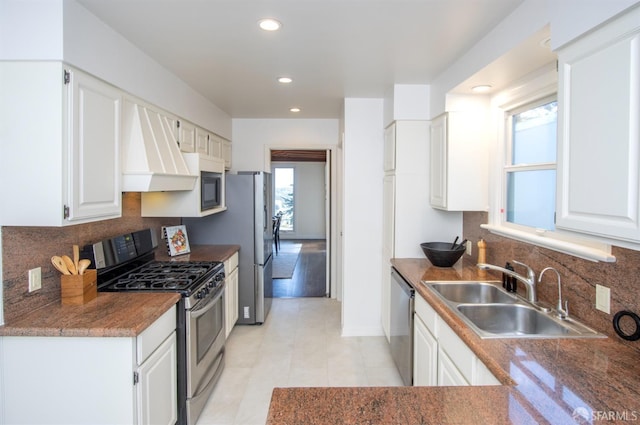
(493,312)
(473,292)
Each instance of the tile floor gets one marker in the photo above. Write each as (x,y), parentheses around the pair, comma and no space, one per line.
(299,345)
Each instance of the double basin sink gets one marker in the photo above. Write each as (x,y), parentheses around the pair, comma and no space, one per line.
(492,312)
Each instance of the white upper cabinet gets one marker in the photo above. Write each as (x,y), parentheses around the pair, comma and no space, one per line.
(226,153)
(215,146)
(458,175)
(202,141)
(186,136)
(61,151)
(599,132)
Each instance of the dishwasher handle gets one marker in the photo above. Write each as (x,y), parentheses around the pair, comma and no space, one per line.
(404,285)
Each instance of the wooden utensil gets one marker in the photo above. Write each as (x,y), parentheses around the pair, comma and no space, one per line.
(76,256)
(58,263)
(69,263)
(82,265)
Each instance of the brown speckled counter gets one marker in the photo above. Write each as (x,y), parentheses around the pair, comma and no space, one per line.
(200,253)
(556,381)
(111,314)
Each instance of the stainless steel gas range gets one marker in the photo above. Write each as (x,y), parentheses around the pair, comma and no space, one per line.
(127,263)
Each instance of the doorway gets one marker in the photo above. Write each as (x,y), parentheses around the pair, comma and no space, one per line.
(302,202)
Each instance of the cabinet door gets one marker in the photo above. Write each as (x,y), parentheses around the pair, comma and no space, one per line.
(94,178)
(202,141)
(187,137)
(226,154)
(448,374)
(438,162)
(425,355)
(599,132)
(156,390)
(215,146)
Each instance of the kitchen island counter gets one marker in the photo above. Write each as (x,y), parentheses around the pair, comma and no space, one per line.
(544,380)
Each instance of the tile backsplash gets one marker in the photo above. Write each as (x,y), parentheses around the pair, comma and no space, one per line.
(24,248)
(579,277)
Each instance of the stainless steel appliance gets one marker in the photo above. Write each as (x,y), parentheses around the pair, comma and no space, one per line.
(126,263)
(210,190)
(402,297)
(246,222)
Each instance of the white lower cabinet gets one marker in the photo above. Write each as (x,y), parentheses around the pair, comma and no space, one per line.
(425,357)
(448,373)
(91,380)
(440,357)
(231,293)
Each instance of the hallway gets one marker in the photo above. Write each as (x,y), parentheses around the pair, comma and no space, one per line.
(299,345)
(309,275)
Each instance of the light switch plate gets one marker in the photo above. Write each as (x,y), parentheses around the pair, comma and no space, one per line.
(469,248)
(603,298)
(35,279)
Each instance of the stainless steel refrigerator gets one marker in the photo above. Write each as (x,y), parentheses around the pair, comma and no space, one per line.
(246,222)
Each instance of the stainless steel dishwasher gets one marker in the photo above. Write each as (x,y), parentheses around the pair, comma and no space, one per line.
(401,299)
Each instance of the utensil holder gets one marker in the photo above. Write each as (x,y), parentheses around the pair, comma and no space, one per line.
(78,289)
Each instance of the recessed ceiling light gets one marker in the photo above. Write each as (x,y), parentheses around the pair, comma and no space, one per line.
(294,109)
(285,80)
(269,24)
(481,88)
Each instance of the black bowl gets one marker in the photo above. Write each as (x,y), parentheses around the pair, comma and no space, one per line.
(440,253)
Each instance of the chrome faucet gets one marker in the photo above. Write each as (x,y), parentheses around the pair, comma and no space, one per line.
(529,281)
(563,313)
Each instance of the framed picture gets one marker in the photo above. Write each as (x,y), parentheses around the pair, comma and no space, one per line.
(177,241)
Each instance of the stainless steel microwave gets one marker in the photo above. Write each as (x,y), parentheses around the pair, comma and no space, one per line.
(210,190)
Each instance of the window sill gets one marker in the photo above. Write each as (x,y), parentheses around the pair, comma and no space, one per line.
(584,252)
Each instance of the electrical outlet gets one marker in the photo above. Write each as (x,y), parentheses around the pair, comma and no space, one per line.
(603,299)
(163,233)
(469,248)
(246,311)
(35,279)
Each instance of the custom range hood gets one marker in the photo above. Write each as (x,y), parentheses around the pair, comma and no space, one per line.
(151,158)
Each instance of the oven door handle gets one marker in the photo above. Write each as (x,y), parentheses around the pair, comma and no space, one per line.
(195,313)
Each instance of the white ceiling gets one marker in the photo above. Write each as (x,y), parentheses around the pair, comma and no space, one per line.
(331,48)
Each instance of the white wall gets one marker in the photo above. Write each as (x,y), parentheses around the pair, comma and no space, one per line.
(572,18)
(569,19)
(252,139)
(407,102)
(64,30)
(309,200)
(531,16)
(362,219)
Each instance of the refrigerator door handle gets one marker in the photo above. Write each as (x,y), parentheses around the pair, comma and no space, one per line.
(265,219)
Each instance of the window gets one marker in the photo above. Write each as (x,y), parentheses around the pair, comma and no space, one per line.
(524,187)
(530,169)
(284,196)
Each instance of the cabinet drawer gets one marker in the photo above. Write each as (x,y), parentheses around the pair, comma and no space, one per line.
(152,337)
(427,314)
(230,264)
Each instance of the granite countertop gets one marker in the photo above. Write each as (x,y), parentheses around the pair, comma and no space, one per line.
(556,381)
(111,314)
(199,253)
